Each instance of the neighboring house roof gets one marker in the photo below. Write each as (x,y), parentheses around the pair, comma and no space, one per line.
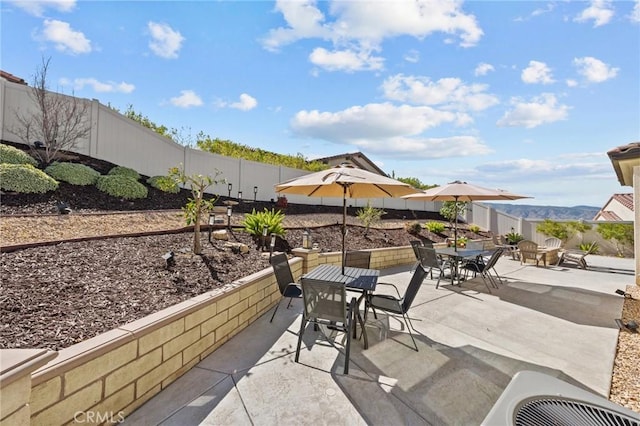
(619,207)
(12,78)
(607,215)
(358,159)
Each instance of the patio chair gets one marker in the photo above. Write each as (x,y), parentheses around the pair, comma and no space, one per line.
(286,284)
(414,245)
(528,250)
(358,259)
(478,266)
(325,303)
(475,245)
(399,305)
(429,260)
(553,243)
(576,256)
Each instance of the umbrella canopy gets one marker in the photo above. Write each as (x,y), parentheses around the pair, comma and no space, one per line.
(345,181)
(462,191)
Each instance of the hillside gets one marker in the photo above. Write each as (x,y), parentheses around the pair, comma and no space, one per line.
(547,212)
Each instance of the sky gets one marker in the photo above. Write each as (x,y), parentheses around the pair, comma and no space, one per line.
(523,96)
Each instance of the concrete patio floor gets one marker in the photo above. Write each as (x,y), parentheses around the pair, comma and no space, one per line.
(558,320)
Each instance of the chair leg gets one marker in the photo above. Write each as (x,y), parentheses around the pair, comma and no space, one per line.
(276,309)
(302,327)
(348,348)
(409,327)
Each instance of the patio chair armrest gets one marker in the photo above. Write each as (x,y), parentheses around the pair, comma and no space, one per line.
(392,285)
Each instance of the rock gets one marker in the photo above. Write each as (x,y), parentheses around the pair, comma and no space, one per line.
(220,235)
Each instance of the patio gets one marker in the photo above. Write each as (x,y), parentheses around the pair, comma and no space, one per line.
(556,320)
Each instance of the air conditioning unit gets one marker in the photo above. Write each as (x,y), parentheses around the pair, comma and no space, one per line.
(535,399)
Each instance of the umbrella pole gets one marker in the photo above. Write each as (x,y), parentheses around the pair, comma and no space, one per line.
(455,225)
(344,225)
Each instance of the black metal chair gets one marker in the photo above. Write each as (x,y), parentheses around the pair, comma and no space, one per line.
(478,266)
(414,245)
(358,259)
(287,285)
(429,260)
(325,303)
(399,305)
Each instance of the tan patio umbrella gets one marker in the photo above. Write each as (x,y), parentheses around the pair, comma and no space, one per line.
(345,181)
(462,191)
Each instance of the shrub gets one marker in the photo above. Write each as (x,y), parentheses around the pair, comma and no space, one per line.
(620,233)
(413,228)
(474,228)
(24,178)
(12,155)
(435,227)
(124,171)
(514,237)
(555,229)
(255,222)
(369,215)
(591,247)
(121,186)
(73,173)
(164,183)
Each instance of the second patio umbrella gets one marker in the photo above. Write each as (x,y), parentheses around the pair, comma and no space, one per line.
(462,191)
(345,181)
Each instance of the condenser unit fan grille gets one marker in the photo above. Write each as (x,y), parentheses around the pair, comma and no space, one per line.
(567,412)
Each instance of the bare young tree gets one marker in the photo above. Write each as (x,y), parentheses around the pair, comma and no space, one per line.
(57,123)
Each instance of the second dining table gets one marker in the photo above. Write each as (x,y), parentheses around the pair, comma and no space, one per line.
(459,255)
(362,280)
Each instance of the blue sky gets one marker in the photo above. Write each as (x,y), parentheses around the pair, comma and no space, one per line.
(517,95)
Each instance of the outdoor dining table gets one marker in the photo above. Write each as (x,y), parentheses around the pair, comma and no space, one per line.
(355,279)
(458,256)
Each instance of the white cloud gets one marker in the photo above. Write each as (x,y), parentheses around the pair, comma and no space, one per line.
(345,60)
(358,27)
(537,72)
(483,69)
(449,93)
(187,99)
(413,56)
(37,8)
(543,169)
(65,38)
(165,41)
(537,12)
(599,11)
(634,16)
(594,70)
(98,86)
(245,103)
(394,131)
(542,109)
(571,82)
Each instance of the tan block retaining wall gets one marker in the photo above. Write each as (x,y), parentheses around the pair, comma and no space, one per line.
(106,378)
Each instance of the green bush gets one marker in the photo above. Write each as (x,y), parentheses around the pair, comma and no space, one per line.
(164,183)
(474,228)
(514,237)
(124,171)
(255,222)
(369,216)
(591,247)
(413,228)
(73,173)
(24,178)
(435,227)
(555,229)
(121,186)
(12,155)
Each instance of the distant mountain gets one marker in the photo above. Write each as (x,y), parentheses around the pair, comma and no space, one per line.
(547,212)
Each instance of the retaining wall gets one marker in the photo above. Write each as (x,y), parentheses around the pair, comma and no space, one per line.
(105,378)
